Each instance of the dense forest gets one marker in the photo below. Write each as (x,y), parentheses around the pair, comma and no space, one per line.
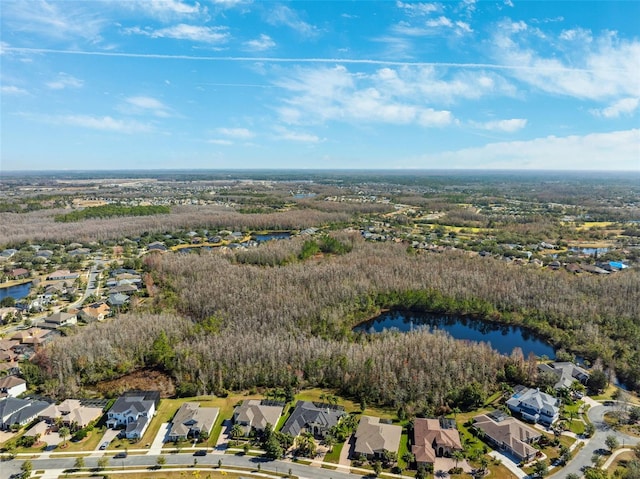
(276,317)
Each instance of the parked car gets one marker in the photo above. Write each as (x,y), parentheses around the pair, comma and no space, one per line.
(121,455)
(104,445)
(200,452)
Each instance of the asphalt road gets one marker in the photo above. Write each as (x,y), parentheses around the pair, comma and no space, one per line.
(596,443)
(185,459)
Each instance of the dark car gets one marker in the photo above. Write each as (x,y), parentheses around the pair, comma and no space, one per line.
(200,452)
(121,455)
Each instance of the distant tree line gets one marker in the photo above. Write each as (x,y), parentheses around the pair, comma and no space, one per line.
(109,211)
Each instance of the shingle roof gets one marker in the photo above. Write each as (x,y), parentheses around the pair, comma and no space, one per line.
(373,436)
(305,412)
(257,415)
(508,431)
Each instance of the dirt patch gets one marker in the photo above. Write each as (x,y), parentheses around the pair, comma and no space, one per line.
(144,379)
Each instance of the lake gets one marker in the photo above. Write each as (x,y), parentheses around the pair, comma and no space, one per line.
(503,338)
(16,292)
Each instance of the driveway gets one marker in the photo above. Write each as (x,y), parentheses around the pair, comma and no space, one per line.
(158,442)
(108,436)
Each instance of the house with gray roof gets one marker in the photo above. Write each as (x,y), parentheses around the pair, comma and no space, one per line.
(256,414)
(373,438)
(508,434)
(59,320)
(566,372)
(19,411)
(133,412)
(316,418)
(534,405)
(191,420)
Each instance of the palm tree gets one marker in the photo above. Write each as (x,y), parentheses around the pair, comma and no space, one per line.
(457,456)
(63,432)
(330,441)
(236,431)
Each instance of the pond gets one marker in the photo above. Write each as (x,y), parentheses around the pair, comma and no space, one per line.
(16,292)
(276,235)
(503,338)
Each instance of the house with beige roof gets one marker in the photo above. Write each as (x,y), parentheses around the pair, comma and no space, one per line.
(191,420)
(94,312)
(70,412)
(373,438)
(60,320)
(257,413)
(434,438)
(33,336)
(508,434)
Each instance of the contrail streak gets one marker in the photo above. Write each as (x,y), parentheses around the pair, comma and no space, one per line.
(488,66)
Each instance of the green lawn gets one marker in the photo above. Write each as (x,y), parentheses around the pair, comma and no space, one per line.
(334,455)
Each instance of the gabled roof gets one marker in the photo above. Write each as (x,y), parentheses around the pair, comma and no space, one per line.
(373,436)
(9,382)
(15,410)
(136,404)
(305,412)
(428,434)
(256,414)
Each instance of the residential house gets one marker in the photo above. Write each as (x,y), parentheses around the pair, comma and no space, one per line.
(566,372)
(44,253)
(534,405)
(31,336)
(118,299)
(124,289)
(19,273)
(316,418)
(133,411)
(373,438)
(15,411)
(62,274)
(256,414)
(191,420)
(70,412)
(12,386)
(60,320)
(433,438)
(8,253)
(508,434)
(94,312)
(156,246)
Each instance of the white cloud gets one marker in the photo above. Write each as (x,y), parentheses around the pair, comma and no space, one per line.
(334,94)
(617,150)
(603,69)
(441,21)
(183,31)
(237,133)
(63,81)
(12,90)
(576,35)
(102,123)
(508,126)
(289,135)
(282,15)
(624,106)
(262,43)
(140,105)
(57,20)
(419,9)
(162,7)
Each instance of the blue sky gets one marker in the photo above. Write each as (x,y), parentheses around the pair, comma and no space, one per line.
(325,84)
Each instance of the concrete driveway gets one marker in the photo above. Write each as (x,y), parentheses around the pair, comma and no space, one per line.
(159,440)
